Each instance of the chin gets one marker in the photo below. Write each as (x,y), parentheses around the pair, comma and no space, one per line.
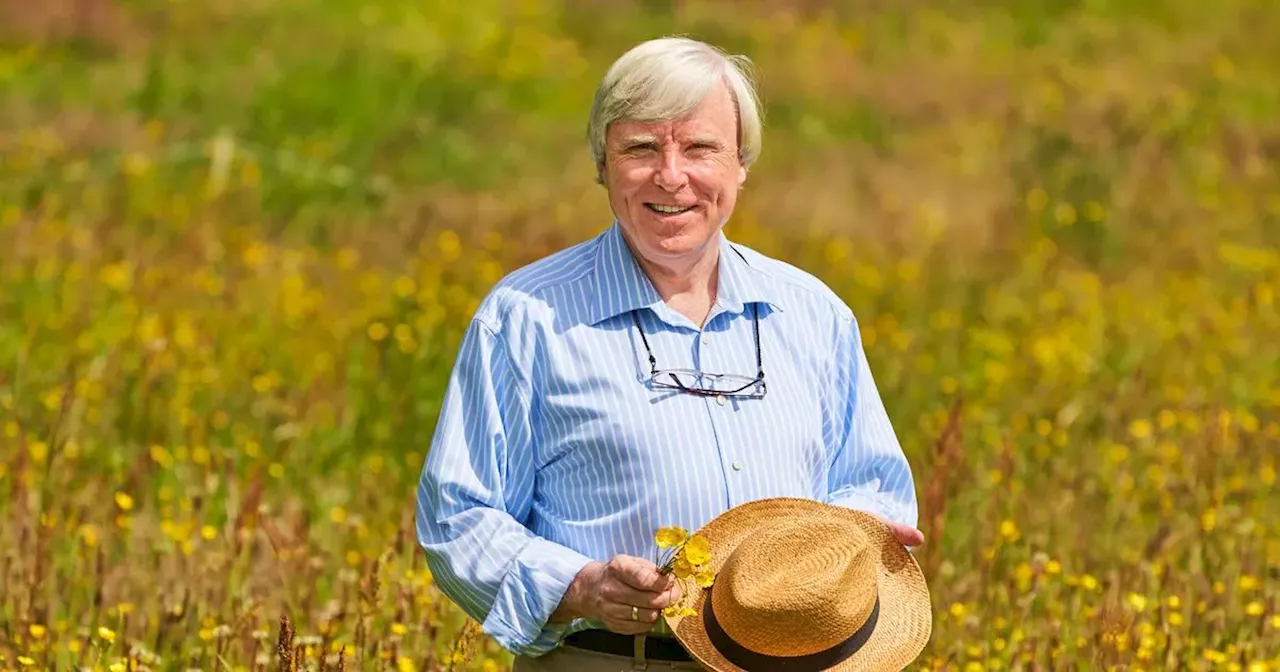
(676,243)
(672,237)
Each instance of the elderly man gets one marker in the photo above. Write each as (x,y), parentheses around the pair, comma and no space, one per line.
(654,375)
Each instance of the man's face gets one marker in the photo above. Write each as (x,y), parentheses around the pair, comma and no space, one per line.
(673,184)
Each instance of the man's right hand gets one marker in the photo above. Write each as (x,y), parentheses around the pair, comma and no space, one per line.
(606,591)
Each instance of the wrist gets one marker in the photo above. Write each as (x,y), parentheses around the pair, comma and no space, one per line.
(572,604)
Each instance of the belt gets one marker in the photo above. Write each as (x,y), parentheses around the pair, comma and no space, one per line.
(604,641)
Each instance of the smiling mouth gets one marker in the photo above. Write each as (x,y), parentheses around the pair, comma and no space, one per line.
(668,209)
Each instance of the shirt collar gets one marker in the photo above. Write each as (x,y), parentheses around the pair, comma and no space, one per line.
(622,286)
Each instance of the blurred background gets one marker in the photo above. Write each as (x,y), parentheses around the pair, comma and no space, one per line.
(239,241)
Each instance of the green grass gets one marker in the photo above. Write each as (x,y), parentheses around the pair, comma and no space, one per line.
(239,241)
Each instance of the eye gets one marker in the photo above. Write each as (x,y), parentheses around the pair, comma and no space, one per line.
(641,148)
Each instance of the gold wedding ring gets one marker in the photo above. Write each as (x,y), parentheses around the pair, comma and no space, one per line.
(635,613)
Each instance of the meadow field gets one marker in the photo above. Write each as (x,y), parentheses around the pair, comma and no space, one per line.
(239,241)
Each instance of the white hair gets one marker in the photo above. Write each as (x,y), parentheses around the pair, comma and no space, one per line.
(663,79)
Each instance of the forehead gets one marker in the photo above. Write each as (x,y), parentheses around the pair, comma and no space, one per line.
(714,116)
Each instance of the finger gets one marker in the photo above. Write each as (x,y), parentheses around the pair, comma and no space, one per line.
(621,593)
(621,613)
(627,627)
(639,573)
(907,535)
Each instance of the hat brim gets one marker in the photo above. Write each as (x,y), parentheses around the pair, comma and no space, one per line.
(905,622)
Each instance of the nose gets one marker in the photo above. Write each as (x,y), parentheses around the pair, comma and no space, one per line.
(671,174)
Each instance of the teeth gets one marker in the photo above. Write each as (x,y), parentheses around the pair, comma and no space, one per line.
(668,209)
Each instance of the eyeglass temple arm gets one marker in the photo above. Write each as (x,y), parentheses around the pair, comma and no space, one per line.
(653,361)
(755,320)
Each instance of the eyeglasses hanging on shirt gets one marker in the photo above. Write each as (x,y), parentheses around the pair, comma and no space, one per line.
(702,383)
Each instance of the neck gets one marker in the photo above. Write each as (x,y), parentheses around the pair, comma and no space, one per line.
(687,285)
(693,278)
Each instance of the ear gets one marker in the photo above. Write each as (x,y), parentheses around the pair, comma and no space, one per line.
(742,175)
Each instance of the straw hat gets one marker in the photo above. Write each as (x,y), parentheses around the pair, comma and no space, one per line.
(806,586)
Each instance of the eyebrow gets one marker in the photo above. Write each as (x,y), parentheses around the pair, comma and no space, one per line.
(650,140)
(639,140)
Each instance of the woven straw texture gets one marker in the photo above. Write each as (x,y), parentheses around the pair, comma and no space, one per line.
(801,568)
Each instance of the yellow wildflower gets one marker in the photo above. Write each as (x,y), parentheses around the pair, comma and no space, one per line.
(107,634)
(948,385)
(124,501)
(698,550)
(705,578)
(1209,520)
(37,631)
(682,568)
(1140,429)
(667,537)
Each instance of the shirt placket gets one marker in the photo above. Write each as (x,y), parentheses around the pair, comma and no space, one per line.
(718,406)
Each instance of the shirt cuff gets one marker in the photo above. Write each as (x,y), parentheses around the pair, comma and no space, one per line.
(531,590)
(859,501)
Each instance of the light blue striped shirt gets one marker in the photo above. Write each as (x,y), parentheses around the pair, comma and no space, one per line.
(552,451)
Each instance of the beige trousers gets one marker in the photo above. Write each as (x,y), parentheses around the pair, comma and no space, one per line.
(570,659)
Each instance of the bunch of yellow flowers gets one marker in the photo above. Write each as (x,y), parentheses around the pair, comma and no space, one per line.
(689,558)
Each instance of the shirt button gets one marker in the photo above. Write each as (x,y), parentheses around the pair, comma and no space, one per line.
(720,399)
(737,466)
(705,339)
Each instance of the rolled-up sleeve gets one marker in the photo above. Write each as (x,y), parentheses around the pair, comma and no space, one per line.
(869,471)
(474,494)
